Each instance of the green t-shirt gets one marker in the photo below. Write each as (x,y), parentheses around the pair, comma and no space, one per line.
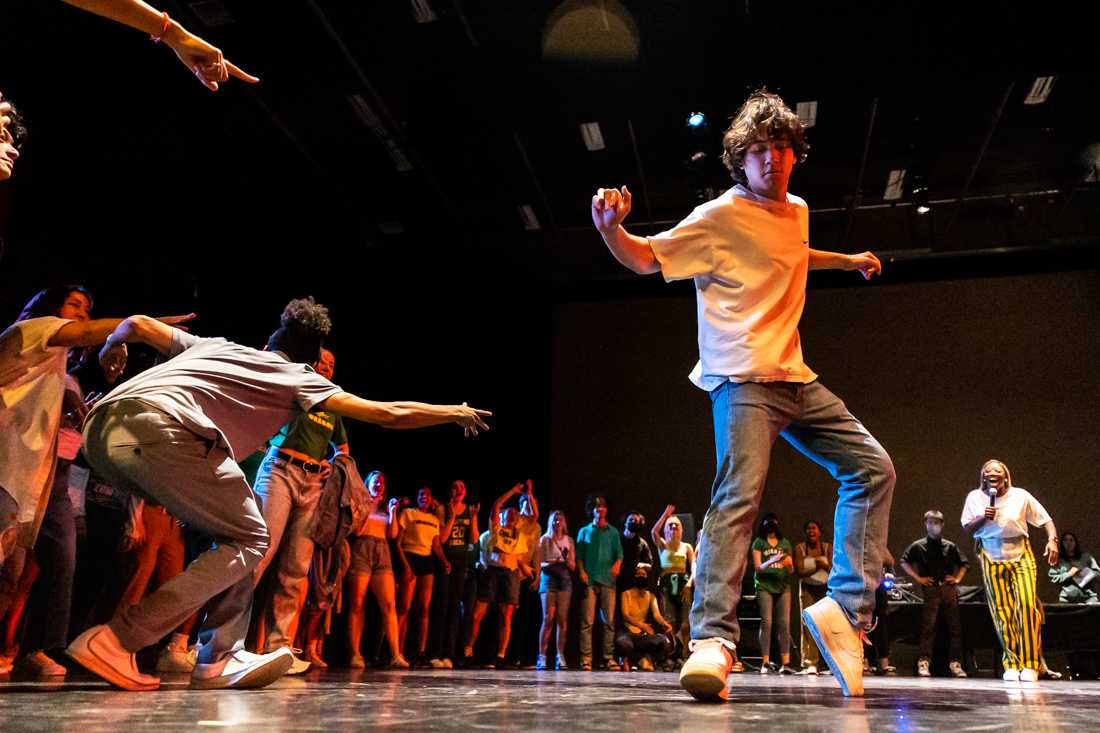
(775,579)
(311,433)
(599,548)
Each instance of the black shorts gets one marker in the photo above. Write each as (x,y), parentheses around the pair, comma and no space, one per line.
(421,564)
(498,585)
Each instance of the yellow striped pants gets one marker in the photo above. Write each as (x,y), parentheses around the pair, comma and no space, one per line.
(1014,606)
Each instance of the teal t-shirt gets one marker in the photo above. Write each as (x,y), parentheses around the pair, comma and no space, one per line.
(599,548)
(775,579)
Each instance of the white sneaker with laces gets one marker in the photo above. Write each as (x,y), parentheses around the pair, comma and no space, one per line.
(957,670)
(923,668)
(1029,675)
(1011,675)
(705,672)
(808,670)
(242,670)
(299,665)
(840,644)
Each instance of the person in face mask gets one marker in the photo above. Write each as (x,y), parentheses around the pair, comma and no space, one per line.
(636,549)
(638,641)
(938,566)
(771,557)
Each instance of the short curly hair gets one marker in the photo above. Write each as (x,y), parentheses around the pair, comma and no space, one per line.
(762,115)
(17,127)
(303,327)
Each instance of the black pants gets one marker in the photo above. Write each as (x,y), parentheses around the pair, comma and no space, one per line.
(447,608)
(634,646)
(101,567)
(937,599)
(55,552)
(880,637)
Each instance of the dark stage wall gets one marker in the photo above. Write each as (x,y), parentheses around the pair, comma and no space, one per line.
(944,374)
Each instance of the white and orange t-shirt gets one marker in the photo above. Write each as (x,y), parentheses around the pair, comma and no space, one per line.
(749,257)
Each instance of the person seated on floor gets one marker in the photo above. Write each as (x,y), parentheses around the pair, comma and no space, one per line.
(1076,572)
(637,642)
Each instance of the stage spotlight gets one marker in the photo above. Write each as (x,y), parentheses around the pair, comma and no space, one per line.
(696,119)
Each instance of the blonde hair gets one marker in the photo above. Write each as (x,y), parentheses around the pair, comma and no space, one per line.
(981,473)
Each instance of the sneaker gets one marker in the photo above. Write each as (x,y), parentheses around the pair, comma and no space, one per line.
(767,668)
(500,663)
(447,663)
(466,662)
(646,664)
(299,665)
(612,666)
(786,669)
(436,663)
(177,657)
(38,665)
(1029,675)
(1011,675)
(357,662)
(840,644)
(957,670)
(399,663)
(99,651)
(541,664)
(561,665)
(586,664)
(808,670)
(705,672)
(889,671)
(923,670)
(242,670)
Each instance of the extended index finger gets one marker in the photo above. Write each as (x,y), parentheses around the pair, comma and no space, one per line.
(236,71)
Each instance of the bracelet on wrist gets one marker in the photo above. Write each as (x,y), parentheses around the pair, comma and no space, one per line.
(163,30)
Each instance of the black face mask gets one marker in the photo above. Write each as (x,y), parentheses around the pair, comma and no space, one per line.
(634,527)
(771,527)
(641,582)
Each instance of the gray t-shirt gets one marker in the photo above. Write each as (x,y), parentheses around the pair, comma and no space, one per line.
(223,391)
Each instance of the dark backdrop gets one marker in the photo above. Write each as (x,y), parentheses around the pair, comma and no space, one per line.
(944,374)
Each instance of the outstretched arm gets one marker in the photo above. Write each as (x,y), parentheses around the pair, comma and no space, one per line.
(111,332)
(866,262)
(203,60)
(609,208)
(406,415)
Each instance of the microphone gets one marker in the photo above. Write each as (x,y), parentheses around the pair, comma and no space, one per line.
(992,497)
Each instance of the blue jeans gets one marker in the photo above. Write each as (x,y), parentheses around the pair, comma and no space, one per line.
(747,419)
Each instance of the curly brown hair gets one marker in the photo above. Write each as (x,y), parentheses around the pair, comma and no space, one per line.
(762,115)
(303,327)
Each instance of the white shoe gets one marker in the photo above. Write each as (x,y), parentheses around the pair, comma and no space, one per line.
(704,673)
(1029,675)
(177,657)
(242,670)
(808,670)
(99,651)
(447,663)
(923,670)
(1011,675)
(840,644)
(437,664)
(957,670)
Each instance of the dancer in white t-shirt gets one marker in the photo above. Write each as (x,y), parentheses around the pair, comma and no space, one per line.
(748,253)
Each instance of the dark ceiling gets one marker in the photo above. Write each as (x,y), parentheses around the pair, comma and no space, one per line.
(475,112)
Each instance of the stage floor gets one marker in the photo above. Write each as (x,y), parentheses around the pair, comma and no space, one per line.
(554,701)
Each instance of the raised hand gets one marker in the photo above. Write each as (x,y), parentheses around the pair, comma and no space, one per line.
(610,207)
(205,61)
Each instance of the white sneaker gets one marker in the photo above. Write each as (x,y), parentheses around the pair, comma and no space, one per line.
(1011,675)
(447,663)
(923,670)
(704,673)
(840,644)
(808,670)
(242,670)
(1029,675)
(957,670)
(99,651)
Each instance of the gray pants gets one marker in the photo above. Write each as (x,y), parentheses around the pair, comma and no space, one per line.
(775,612)
(288,497)
(605,594)
(747,420)
(141,449)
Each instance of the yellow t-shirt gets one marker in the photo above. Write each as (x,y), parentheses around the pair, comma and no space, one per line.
(418,529)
